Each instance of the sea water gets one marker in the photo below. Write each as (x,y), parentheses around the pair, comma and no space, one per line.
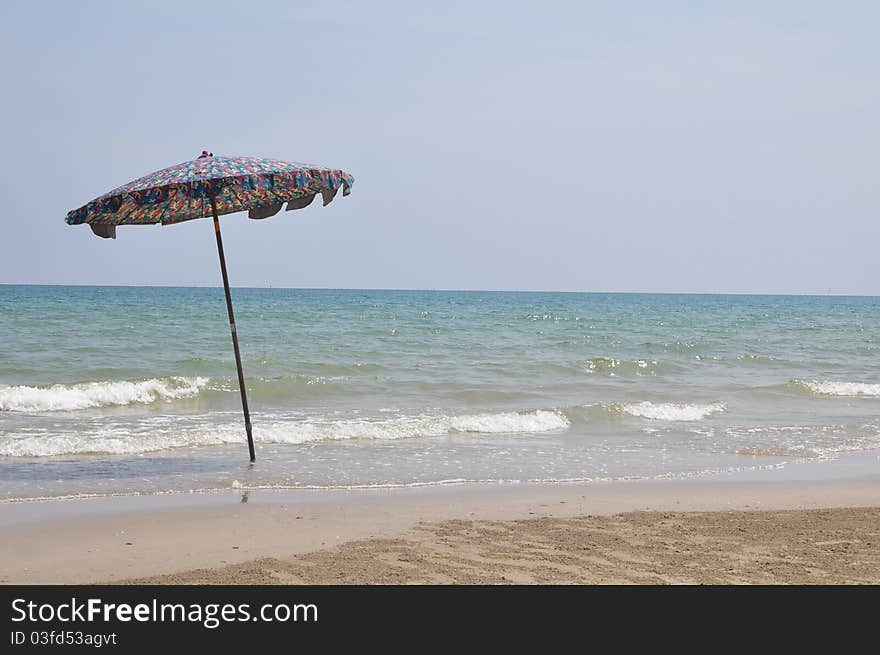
(119,390)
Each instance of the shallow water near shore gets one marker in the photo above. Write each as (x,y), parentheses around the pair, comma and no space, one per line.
(109,390)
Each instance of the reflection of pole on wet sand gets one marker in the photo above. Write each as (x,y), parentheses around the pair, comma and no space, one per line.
(244,486)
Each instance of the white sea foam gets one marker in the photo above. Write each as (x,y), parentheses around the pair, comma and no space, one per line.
(670,411)
(66,397)
(155,438)
(538,421)
(237,486)
(832,388)
(119,442)
(408,427)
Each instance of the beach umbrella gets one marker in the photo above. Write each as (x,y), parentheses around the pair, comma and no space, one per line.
(213,186)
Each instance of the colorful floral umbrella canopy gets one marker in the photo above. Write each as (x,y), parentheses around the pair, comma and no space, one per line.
(183,192)
(212,186)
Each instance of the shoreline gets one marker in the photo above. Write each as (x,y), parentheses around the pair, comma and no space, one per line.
(160,538)
(853,464)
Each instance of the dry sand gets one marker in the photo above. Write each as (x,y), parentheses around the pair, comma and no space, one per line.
(832,546)
(720,531)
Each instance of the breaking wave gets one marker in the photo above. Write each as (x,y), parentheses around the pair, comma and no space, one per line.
(832,388)
(668,411)
(290,431)
(85,395)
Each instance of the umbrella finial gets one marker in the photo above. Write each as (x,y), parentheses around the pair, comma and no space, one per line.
(205,153)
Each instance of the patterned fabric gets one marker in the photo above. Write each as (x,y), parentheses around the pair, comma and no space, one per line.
(183,192)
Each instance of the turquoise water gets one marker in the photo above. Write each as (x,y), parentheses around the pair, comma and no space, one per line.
(109,390)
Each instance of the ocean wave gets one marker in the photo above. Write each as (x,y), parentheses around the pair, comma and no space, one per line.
(85,395)
(611,365)
(287,431)
(755,451)
(511,422)
(760,359)
(834,388)
(804,441)
(407,427)
(812,450)
(668,411)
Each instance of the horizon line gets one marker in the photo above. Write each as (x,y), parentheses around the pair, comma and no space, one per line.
(438,289)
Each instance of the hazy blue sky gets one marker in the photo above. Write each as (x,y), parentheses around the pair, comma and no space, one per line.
(591,146)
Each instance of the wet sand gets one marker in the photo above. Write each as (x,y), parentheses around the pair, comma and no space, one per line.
(703,531)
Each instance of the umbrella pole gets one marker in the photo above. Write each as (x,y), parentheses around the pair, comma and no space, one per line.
(244,403)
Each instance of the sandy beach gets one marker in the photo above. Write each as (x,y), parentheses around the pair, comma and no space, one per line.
(718,531)
(514,295)
(831,546)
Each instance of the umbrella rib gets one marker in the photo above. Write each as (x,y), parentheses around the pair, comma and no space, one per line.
(237,197)
(127,209)
(244,205)
(168,203)
(190,202)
